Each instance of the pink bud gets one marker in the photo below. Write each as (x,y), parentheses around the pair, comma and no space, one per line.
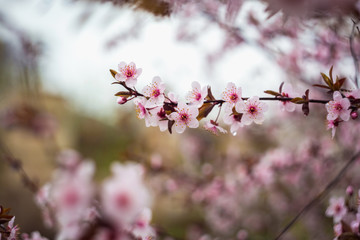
(354,115)
(121,100)
(349,190)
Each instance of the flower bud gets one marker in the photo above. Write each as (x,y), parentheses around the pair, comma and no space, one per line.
(349,190)
(121,100)
(354,115)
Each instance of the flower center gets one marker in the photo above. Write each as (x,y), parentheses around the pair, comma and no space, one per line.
(237,117)
(233,97)
(198,96)
(129,71)
(123,201)
(184,117)
(161,114)
(71,198)
(252,110)
(338,107)
(155,93)
(337,208)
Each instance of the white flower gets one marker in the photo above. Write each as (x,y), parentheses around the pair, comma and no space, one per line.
(128,73)
(155,92)
(197,95)
(252,110)
(184,116)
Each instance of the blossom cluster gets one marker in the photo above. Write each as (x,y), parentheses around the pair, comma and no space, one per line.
(345,212)
(169,112)
(73,205)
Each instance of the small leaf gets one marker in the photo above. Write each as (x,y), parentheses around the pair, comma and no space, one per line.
(298,100)
(306,109)
(210,95)
(170,124)
(272,93)
(321,86)
(123,94)
(330,73)
(327,80)
(113,73)
(204,110)
(281,86)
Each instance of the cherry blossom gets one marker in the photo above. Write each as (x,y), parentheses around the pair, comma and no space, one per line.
(124,195)
(287,91)
(214,127)
(233,119)
(337,209)
(338,108)
(231,95)
(155,93)
(332,124)
(121,100)
(141,111)
(184,116)
(128,73)
(159,118)
(34,236)
(197,95)
(252,110)
(141,228)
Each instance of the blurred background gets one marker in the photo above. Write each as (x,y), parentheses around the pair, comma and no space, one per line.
(56,94)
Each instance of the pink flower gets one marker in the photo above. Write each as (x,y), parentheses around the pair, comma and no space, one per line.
(141,111)
(155,93)
(332,124)
(124,195)
(231,95)
(214,127)
(13,229)
(34,236)
(287,91)
(128,74)
(159,118)
(141,228)
(197,95)
(121,100)
(338,229)
(337,209)
(354,94)
(184,116)
(233,119)
(252,110)
(339,107)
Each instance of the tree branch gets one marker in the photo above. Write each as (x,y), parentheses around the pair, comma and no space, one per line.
(320,196)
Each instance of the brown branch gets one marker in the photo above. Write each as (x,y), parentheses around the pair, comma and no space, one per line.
(353,54)
(16,165)
(320,196)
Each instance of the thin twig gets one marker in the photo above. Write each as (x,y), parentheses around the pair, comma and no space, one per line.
(321,195)
(353,54)
(16,165)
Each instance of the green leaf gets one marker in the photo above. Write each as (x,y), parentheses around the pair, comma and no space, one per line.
(113,73)
(272,93)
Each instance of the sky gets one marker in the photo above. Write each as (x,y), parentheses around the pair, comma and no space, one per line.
(76,56)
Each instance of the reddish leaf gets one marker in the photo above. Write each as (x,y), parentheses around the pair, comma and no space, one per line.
(170,124)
